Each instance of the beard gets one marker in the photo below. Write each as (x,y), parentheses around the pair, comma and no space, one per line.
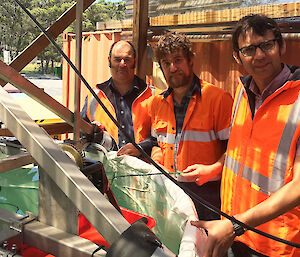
(179,79)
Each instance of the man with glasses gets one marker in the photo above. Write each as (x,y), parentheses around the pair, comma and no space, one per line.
(261,174)
(190,120)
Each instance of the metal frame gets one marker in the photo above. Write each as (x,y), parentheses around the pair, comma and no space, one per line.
(62,170)
(68,185)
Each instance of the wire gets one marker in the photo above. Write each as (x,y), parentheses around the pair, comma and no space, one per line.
(98,249)
(141,175)
(144,154)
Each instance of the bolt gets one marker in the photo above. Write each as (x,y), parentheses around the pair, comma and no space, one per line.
(5,244)
(14,248)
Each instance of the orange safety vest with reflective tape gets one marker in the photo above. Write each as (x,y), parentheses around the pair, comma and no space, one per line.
(259,161)
(139,109)
(206,123)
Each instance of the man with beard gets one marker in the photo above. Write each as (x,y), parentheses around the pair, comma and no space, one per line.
(191,121)
(126,96)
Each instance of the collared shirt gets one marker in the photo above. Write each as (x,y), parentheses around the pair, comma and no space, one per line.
(180,111)
(122,106)
(276,83)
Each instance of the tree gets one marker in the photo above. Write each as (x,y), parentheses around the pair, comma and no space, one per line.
(101,11)
(258,2)
(47,12)
(15,28)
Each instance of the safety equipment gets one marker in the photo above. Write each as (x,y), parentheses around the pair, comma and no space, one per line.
(206,123)
(140,117)
(259,161)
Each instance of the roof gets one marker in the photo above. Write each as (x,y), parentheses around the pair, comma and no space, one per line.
(169,7)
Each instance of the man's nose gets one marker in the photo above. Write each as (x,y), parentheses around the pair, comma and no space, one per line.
(173,67)
(122,62)
(259,53)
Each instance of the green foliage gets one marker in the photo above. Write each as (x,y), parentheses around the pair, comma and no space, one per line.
(246,3)
(101,11)
(17,30)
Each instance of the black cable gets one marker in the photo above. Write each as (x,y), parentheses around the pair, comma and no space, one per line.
(98,249)
(144,154)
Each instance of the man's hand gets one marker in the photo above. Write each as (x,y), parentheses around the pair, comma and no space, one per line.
(198,173)
(129,149)
(99,125)
(220,236)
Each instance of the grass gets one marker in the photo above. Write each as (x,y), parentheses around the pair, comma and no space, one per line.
(31,68)
(35,68)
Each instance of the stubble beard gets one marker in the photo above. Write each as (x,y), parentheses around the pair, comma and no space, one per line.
(178,81)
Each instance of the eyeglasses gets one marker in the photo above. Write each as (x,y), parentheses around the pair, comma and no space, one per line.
(265,46)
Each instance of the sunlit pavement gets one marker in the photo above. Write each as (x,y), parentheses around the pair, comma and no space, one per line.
(52,85)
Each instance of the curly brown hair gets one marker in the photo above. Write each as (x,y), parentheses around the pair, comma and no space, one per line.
(172,42)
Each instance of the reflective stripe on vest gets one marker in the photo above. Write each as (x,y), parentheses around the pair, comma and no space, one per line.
(260,182)
(93,105)
(190,135)
(238,101)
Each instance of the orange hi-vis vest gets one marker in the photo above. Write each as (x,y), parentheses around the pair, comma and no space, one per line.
(259,161)
(140,117)
(206,123)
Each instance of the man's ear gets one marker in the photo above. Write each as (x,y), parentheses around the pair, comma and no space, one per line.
(237,58)
(191,60)
(283,48)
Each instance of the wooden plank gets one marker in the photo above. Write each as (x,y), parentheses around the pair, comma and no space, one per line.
(288,10)
(78,58)
(41,42)
(229,15)
(51,129)
(15,161)
(10,75)
(112,25)
(140,29)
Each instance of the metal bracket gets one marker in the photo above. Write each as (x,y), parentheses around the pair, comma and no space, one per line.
(12,224)
(18,226)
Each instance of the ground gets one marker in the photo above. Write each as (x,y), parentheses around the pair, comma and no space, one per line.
(52,86)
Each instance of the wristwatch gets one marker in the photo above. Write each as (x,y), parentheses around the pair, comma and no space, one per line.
(238,230)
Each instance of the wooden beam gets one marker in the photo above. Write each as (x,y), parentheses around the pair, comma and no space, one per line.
(10,75)
(289,10)
(51,129)
(78,58)
(15,161)
(41,42)
(140,29)
(228,15)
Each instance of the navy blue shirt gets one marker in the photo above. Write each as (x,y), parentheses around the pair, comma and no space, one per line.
(122,106)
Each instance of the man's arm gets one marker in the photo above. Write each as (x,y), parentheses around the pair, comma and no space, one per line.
(83,113)
(201,173)
(146,145)
(220,233)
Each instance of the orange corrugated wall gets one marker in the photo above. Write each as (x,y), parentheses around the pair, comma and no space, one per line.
(95,48)
(213,61)
(215,64)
